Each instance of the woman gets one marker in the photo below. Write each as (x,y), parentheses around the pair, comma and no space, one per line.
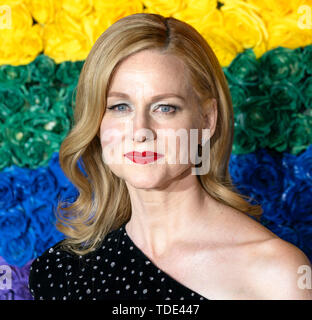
(144,225)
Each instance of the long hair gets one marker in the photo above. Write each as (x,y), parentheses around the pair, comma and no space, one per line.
(103,203)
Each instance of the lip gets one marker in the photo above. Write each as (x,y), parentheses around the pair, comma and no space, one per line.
(143,157)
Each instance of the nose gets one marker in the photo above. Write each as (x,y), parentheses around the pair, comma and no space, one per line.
(142,130)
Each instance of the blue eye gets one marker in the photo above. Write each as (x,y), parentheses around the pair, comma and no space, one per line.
(164,107)
(119,107)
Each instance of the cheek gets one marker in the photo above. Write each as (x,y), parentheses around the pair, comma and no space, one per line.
(110,132)
(176,147)
(111,135)
(186,143)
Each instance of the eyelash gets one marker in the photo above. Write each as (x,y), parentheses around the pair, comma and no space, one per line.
(161,105)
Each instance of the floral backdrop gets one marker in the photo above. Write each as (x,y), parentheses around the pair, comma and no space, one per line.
(265,50)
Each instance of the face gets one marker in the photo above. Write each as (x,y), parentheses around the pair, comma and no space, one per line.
(150,107)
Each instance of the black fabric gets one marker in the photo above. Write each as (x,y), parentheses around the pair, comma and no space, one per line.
(117,270)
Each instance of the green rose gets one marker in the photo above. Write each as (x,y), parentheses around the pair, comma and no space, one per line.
(68,72)
(11,76)
(34,135)
(255,116)
(280,131)
(41,95)
(285,96)
(243,70)
(79,64)
(306,90)
(72,93)
(301,132)
(36,152)
(243,143)
(5,155)
(42,69)
(12,101)
(67,94)
(279,64)
(64,110)
(307,58)
(238,94)
(51,125)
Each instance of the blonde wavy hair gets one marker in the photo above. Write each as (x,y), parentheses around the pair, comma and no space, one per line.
(103,203)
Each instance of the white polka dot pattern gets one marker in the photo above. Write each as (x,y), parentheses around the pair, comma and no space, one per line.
(118,270)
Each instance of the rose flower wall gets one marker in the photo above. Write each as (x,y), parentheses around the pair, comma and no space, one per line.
(265,49)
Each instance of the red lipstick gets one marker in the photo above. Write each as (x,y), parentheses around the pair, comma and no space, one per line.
(143,157)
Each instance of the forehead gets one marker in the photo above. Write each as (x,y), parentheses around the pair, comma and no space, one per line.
(152,71)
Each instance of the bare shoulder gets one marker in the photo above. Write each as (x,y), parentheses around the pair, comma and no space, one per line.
(282,271)
(272,268)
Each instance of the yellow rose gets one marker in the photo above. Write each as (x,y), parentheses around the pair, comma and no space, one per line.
(260,49)
(22,42)
(277,8)
(243,23)
(21,18)
(19,47)
(65,39)
(71,46)
(199,20)
(67,22)
(43,11)
(204,6)
(164,7)
(11,2)
(96,23)
(30,45)
(285,32)
(112,11)
(88,23)
(77,8)
(8,52)
(223,45)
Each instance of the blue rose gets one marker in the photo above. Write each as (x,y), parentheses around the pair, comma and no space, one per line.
(69,195)
(20,181)
(239,166)
(54,166)
(303,166)
(18,251)
(273,211)
(258,172)
(297,202)
(285,232)
(288,163)
(266,176)
(13,222)
(43,184)
(41,213)
(8,195)
(42,246)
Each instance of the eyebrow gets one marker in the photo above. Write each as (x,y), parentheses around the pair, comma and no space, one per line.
(159,96)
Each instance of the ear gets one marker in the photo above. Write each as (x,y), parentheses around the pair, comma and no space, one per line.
(210,115)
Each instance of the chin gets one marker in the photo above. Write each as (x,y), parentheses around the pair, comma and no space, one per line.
(141,185)
(143,181)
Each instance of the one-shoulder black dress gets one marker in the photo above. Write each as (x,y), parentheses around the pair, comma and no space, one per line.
(117,270)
